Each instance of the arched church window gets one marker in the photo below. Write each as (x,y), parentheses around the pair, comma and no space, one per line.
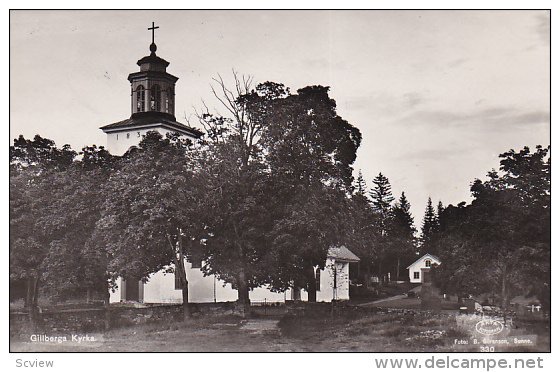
(169,101)
(140,99)
(155,98)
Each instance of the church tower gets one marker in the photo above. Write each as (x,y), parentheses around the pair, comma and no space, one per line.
(152,92)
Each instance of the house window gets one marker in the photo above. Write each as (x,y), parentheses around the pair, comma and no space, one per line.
(428,263)
(155,98)
(318,279)
(417,275)
(140,99)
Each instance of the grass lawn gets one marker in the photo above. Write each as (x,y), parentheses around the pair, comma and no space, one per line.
(349,332)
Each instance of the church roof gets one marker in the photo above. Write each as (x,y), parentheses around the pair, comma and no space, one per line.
(153,59)
(342,253)
(152,120)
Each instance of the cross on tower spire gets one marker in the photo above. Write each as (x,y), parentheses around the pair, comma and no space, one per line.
(153,46)
(153,29)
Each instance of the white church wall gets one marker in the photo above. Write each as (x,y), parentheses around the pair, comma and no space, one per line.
(160,288)
(263,293)
(201,288)
(119,142)
(115,296)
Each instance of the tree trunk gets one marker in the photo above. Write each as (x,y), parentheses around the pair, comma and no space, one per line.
(312,286)
(242,287)
(106,304)
(184,280)
(505,295)
(184,287)
(29,295)
(243,293)
(32,301)
(36,292)
(398,268)
(335,282)
(186,307)
(179,261)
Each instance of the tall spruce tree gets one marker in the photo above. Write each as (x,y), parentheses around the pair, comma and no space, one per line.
(402,233)
(429,226)
(439,214)
(360,185)
(381,199)
(403,222)
(362,238)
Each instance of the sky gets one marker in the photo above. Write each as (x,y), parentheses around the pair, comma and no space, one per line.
(437,95)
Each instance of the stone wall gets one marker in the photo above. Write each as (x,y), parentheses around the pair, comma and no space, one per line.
(93,319)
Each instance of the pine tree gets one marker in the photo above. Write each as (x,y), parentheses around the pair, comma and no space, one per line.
(381,200)
(362,227)
(439,214)
(429,225)
(402,233)
(360,185)
(402,216)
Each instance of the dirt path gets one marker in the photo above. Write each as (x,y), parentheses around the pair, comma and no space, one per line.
(397,297)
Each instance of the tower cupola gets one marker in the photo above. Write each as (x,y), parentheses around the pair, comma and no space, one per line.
(152,91)
(153,88)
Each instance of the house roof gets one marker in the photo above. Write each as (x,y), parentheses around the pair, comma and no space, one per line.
(151,119)
(342,253)
(427,255)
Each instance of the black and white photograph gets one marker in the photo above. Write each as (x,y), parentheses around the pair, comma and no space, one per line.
(302,181)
